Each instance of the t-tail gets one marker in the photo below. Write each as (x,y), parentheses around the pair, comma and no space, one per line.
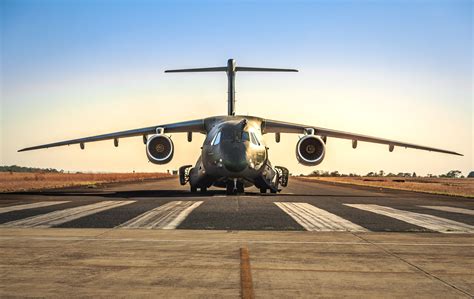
(231,69)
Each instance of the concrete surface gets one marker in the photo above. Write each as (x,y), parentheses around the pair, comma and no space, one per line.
(196,263)
(87,252)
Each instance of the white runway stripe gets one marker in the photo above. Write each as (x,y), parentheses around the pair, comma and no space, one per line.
(30,206)
(427,221)
(167,216)
(63,216)
(451,209)
(315,219)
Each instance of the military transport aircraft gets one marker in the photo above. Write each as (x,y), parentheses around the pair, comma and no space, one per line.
(234,155)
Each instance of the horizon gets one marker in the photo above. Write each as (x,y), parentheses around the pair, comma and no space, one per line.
(394,70)
(321,173)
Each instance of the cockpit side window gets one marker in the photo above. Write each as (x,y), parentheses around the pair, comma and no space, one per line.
(254,139)
(217,139)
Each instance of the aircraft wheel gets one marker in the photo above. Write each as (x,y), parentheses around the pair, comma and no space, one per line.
(240,188)
(193,189)
(230,189)
(263,190)
(203,189)
(273,191)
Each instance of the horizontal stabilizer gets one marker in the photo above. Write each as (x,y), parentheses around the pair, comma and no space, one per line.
(231,69)
(262,69)
(206,69)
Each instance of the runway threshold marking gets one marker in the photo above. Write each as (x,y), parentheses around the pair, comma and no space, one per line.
(315,219)
(30,206)
(424,220)
(450,209)
(66,215)
(246,283)
(167,216)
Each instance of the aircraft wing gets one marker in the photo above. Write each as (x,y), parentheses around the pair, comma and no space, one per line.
(274,126)
(180,127)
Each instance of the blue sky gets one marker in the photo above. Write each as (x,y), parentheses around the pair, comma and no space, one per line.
(398,61)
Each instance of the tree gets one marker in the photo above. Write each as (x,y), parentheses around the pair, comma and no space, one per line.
(453,174)
(381,173)
(414,174)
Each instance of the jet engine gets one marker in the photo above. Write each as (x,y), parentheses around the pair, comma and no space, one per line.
(159,149)
(310,150)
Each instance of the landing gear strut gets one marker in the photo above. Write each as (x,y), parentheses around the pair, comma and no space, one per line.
(234,187)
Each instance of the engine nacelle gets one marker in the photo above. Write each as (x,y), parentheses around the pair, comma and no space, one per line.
(159,149)
(310,150)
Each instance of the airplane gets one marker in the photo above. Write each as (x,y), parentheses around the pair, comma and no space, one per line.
(234,155)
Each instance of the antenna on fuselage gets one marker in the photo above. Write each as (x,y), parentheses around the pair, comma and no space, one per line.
(231,69)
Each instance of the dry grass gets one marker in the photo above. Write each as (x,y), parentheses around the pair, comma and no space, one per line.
(445,186)
(20,181)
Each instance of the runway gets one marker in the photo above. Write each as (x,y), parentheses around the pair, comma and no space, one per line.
(309,206)
(312,240)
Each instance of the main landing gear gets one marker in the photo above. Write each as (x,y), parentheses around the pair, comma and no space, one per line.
(184,172)
(280,179)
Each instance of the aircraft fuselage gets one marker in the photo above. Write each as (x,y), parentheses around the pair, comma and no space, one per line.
(233,153)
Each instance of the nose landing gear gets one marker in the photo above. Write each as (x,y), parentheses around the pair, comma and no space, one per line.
(234,187)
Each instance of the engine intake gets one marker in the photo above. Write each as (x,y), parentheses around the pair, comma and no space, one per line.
(310,150)
(159,149)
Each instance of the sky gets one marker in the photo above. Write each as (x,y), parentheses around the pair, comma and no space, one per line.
(394,69)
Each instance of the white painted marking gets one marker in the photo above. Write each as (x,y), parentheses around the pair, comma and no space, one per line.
(167,216)
(451,209)
(30,206)
(315,219)
(63,216)
(427,221)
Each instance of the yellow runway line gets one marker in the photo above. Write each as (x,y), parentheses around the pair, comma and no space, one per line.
(246,284)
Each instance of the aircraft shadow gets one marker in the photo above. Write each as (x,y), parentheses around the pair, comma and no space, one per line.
(173,193)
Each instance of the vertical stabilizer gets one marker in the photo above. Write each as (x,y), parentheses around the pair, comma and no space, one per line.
(231,69)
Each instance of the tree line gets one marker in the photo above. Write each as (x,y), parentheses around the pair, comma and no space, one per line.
(16,168)
(381,173)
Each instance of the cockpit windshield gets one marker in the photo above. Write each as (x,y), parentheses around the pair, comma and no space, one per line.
(230,135)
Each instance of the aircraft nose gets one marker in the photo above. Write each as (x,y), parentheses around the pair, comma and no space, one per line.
(236,159)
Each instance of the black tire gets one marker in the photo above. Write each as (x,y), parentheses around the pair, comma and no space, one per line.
(263,190)
(273,191)
(193,189)
(203,189)
(230,189)
(240,188)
